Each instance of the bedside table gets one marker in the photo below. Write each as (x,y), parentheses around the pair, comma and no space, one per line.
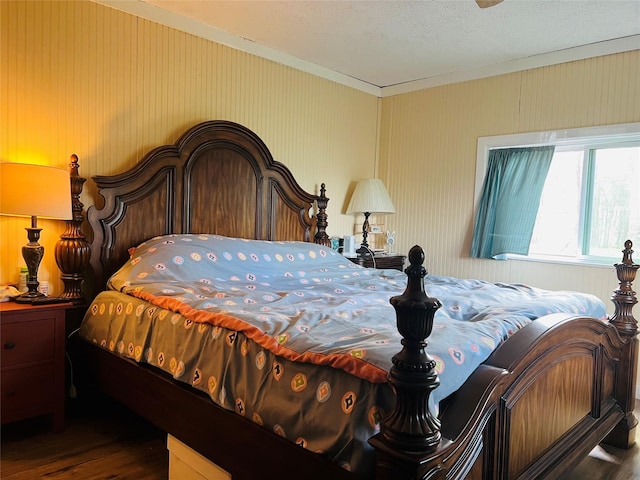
(395,262)
(32,361)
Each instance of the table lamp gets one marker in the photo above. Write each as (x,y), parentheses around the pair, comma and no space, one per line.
(370,196)
(34,191)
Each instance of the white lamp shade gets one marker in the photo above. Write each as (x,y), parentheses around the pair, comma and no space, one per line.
(370,196)
(35,190)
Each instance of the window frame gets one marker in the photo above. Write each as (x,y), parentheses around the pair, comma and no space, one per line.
(589,137)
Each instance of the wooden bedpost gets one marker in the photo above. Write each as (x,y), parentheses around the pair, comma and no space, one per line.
(624,298)
(410,429)
(73,251)
(321,236)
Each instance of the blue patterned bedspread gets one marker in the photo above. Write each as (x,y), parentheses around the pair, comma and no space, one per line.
(307,303)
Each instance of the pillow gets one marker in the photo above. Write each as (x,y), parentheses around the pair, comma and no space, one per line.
(200,258)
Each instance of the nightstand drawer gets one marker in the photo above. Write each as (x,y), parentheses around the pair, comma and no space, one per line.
(32,343)
(27,391)
(27,342)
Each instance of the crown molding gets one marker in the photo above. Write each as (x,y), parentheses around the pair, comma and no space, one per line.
(193,27)
(608,47)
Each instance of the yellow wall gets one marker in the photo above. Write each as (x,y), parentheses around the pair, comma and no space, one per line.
(428,156)
(79,77)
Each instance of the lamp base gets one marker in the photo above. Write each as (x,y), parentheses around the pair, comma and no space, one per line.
(364,250)
(48,300)
(32,253)
(29,297)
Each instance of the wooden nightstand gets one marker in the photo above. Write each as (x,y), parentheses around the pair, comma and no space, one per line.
(381,261)
(32,361)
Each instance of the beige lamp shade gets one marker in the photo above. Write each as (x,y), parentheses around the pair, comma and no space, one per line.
(35,190)
(370,196)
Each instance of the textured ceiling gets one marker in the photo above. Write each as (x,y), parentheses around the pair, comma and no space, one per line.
(385,43)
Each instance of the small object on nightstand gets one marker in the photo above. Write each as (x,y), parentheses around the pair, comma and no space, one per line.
(43,288)
(32,375)
(8,292)
(22,279)
(391,240)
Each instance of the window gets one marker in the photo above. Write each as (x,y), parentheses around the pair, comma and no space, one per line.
(590,201)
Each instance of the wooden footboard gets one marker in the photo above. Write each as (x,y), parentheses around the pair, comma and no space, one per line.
(562,402)
(535,408)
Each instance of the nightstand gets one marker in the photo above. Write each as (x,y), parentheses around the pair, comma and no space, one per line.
(395,262)
(32,375)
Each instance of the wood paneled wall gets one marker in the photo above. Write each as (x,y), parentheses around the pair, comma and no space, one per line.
(428,147)
(79,77)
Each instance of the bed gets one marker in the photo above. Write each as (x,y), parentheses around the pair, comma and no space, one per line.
(534,404)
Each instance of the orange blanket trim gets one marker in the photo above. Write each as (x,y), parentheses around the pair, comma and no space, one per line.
(343,361)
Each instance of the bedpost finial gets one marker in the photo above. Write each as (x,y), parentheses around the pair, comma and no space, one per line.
(416,272)
(416,255)
(321,237)
(73,165)
(624,297)
(410,427)
(627,252)
(73,252)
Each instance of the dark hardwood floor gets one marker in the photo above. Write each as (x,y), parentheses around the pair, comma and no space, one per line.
(99,443)
(107,441)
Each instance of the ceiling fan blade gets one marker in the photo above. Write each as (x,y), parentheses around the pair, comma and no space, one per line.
(487,3)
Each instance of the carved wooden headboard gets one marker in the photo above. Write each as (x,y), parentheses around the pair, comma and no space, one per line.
(219,178)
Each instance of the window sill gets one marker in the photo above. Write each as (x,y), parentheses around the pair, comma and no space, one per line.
(578,261)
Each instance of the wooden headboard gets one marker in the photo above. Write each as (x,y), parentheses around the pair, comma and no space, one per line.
(219,178)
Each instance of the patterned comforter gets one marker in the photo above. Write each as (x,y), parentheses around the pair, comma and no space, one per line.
(294,335)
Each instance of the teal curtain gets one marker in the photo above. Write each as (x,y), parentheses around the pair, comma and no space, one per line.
(510,200)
